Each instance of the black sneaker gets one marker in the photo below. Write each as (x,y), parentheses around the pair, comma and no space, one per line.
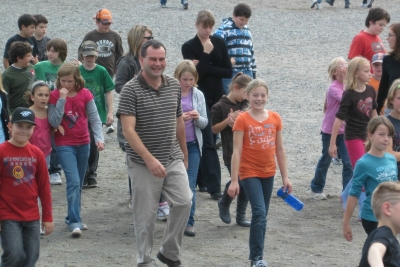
(85,183)
(347,5)
(185,4)
(369,4)
(91,183)
(216,196)
(330,2)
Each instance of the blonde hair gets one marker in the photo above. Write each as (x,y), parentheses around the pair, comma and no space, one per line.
(374,124)
(206,18)
(354,65)
(254,84)
(333,66)
(241,80)
(385,192)
(392,92)
(186,66)
(135,37)
(70,68)
(1,83)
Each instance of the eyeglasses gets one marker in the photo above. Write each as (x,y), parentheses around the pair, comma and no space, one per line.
(148,37)
(390,35)
(343,65)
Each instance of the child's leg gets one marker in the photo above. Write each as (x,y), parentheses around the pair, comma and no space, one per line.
(12,244)
(31,239)
(369,226)
(318,182)
(93,161)
(347,172)
(258,192)
(194,161)
(355,149)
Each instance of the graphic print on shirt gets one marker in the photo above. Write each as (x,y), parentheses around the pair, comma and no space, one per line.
(377,47)
(396,142)
(96,90)
(71,117)
(387,173)
(365,106)
(21,168)
(104,47)
(262,136)
(50,79)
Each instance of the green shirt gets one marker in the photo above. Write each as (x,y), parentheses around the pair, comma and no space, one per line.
(47,72)
(99,82)
(16,82)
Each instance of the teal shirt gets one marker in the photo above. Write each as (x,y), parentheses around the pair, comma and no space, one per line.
(45,71)
(369,172)
(99,82)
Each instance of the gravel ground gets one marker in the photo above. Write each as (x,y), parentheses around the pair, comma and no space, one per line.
(294,46)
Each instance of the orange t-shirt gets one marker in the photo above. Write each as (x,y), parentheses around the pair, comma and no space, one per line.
(374,83)
(258,150)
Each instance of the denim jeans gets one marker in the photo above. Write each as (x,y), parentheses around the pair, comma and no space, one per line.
(20,242)
(318,182)
(258,192)
(229,182)
(345,195)
(227,82)
(164,2)
(54,163)
(74,161)
(194,161)
(93,161)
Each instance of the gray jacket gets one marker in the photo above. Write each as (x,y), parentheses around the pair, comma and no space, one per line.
(199,104)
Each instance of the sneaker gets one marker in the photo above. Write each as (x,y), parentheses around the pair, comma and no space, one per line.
(347,4)
(185,4)
(363,5)
(76,232)
(163,211)
(314,3)
(84,227)
(92,183)
(109,129)
(218,144)
(369,3)
(55,179)
(336,161)
(164,5)
(260,263)
(330,2)
(41,231)
(319,6)
(318,196)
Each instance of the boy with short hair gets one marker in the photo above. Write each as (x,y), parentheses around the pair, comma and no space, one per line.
(99,82)
(239,42)
(382,247)
(109,42)
(40,37)
(26,24)
(24,178)
(367,43)
(376,64)
(18,78)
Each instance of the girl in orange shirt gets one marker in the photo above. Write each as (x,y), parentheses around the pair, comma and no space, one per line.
(257,134)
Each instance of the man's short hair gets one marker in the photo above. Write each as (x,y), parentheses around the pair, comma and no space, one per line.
(242,10)
(385,192)
(26,20)
(154,44)
(60,46)
(18,49)
(40,19)
(375,14)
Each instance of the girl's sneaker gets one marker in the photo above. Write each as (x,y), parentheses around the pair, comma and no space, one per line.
(260,263)
(76,232)
(163,211)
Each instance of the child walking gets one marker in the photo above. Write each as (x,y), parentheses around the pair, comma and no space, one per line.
(257,138)
(24,178)
(337,72)
(71,106)
(375,167)
(195,118)
(4,117)
(224,114)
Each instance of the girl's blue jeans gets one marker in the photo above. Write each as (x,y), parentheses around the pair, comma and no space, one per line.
(73,160)
(194,161)
(258,192)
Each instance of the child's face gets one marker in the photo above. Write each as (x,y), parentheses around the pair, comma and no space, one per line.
(103,28)
(41,29)
(341,69)
(28,30)
(68,82)
(186,81)
(24,62)
(364,73)
(377,68)
(258,98)
(41,96)
(391,39)
(89,60)
(377,27)
(204,31)
(240,21)
(52,54)
(239,93)
(21,132)
(380,138)
(396,102)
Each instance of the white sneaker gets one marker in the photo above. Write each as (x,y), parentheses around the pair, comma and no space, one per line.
(313,3)
(109,129)
(319,6)
(336,161)
(260,263)
(163,211)
(369,3)
(364,5)
(318,196)
(55,179)
(76,232)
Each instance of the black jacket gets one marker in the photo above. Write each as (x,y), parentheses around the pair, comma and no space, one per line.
(5,118)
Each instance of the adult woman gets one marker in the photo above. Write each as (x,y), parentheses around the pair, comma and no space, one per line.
(390,65)
(210,55)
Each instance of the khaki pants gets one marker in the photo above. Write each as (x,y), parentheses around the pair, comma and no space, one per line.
(146,190)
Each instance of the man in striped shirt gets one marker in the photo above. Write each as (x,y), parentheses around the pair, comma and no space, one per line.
(151,116)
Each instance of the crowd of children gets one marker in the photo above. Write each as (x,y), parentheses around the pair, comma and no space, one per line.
(52,112)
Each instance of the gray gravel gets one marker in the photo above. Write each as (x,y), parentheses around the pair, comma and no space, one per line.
(294,46)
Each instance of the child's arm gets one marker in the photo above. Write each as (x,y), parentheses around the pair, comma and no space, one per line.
(374,113)
(335,131)
(281,158)
(200,115)
(110,105)
(375,254)
(6,63)
(350,206)
(56,112)
(181,136)
(233,189)
(391,151)
(95,124)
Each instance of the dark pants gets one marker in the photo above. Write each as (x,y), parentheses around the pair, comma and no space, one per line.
(55,166)
(229,183)
(369,226)
(209,174)
(20,242)
(93,161)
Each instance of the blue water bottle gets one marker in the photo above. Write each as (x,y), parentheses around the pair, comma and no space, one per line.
(290,199)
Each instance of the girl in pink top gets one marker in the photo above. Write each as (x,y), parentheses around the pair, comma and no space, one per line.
(337,71)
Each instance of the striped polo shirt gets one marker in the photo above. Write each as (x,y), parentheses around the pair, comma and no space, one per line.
(156,112)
